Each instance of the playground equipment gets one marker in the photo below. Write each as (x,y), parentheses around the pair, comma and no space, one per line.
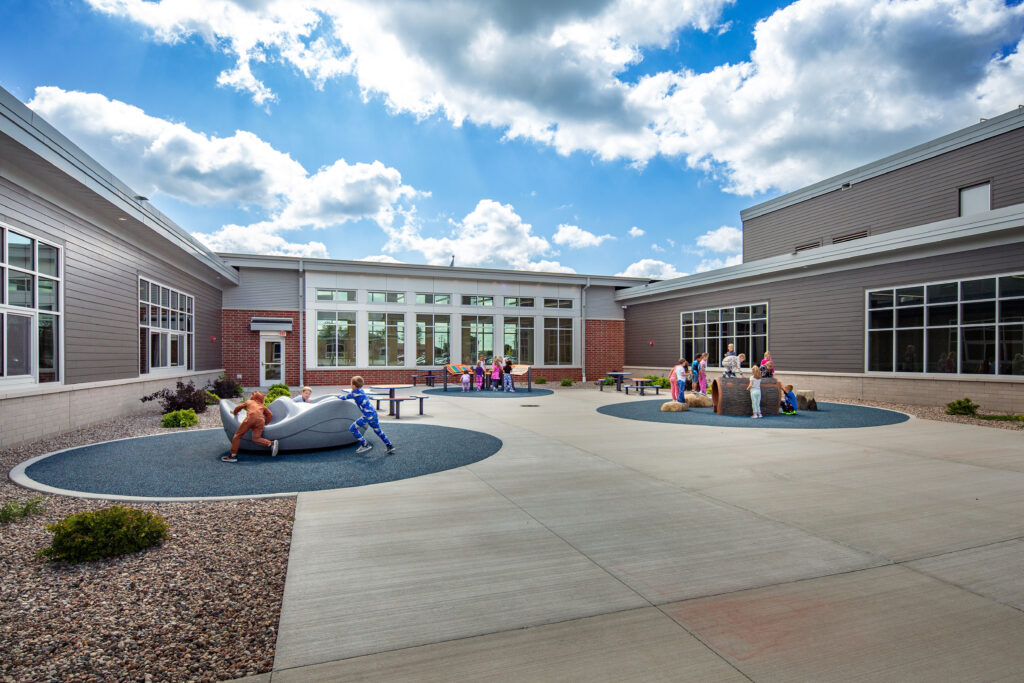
(729,396)
(454,369)
(298,426)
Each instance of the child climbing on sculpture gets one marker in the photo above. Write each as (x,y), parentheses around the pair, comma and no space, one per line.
(754,387)
(257,416)
(368,419)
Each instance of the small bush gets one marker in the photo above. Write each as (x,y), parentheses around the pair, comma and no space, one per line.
(1002,418)
(13,510)
(277,391)
(112,531)
(566,382)
(212,399)
(656,381)
(184,397)
(223,387)
(541,380)
(963,406)
(607,381)
(179,418)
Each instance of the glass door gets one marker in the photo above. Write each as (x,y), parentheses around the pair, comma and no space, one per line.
(271,361)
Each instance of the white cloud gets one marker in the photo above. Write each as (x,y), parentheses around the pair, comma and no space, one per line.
(715,264)
(380,258)
(724,238)
(658,248)
(491,235)
(829,84)
(156,156)
(636,232)
(652,268)
(577,238)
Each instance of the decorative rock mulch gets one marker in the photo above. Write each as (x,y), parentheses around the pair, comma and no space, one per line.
(203,606)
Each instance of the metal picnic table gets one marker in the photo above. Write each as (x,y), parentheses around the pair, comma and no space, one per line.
(618,377)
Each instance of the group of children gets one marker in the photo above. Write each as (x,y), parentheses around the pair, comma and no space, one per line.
(257,415)
(732,364)
(500,376)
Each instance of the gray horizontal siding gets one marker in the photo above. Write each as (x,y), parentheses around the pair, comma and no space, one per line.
(601,303)
(815,323)
(264,290)
(914,195)
(101,270)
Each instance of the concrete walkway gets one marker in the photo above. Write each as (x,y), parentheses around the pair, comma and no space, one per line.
(595,548)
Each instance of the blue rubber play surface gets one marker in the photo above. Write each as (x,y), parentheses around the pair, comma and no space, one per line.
(827,416)
(188,464)
(456,390)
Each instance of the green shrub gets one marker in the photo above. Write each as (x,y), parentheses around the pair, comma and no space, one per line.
(179,418)
(276,391)
(656,381)
(1002,418)
(185,396)
(607,381)
(541,380)
(225,388)
(212,399)
(963,406)
(566,382)
(13,510)
(112,531)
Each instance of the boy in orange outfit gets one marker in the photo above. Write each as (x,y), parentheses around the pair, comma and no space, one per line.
(257,416)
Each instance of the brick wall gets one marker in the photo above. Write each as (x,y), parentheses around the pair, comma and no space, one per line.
(240,346)
(606,347)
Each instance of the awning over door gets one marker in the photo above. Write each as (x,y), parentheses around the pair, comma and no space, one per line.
(270,324)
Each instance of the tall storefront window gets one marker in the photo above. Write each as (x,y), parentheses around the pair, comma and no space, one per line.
(557,341)
(30,308)
(166,328)
(970,327)
(387,338)
(712,330)
(432,339)
(518,345)
(335,339)
(477,337)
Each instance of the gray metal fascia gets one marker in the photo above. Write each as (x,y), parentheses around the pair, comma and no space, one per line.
(32,131)
(998,125)
(979,226)
(419,270)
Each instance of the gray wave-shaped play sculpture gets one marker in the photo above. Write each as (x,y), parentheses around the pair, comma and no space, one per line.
(298,426)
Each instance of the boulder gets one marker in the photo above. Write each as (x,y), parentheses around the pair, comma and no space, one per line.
(805,399)
(698,400)
(673,407)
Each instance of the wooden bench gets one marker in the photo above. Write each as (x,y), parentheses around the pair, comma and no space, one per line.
(396,402)
(421,399)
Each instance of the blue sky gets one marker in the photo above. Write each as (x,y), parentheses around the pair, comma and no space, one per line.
(600,136)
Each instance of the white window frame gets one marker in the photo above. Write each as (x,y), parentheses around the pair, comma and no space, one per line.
(189,336)
(750,359)
(399,297)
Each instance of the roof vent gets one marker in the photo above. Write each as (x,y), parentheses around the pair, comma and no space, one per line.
(851,236)
(805,247)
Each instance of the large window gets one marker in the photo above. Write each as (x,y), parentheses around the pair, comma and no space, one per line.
(166,329)
(518,346)
(30,308)
(335,339)
(432,339)
(519,301)
(477,300)
(477,337)
(971,327)
(335,294)
(435,299)
(557,303)
(385,297)
(557,341)
(712,330)
(387,338)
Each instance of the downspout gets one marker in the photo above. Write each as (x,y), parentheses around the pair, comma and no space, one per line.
(583,311)
(302,327)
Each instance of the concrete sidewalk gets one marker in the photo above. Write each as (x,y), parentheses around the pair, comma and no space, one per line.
(594,548)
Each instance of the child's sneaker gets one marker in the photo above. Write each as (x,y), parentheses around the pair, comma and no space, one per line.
(390,450)
(363,449)
(273,449)
(229,458)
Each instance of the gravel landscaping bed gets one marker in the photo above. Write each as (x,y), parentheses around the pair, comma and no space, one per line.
(932,413)
(203,606)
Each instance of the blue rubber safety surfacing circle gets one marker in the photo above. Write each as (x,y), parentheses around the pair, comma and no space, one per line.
(188,464)
(456,390)
(827,416)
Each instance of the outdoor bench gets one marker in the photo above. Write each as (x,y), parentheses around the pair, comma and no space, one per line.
(396,402)
(421,400)
(641,387)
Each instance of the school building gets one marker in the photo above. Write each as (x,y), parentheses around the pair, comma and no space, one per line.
(901,280)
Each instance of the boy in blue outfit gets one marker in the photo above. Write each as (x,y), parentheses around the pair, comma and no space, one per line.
(788,406)
(369,417)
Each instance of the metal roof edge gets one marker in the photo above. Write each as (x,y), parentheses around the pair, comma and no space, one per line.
(974,225)
(422,270)
(989,128)
(33,132)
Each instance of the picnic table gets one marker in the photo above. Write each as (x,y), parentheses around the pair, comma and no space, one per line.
(641,383)
(391,388)
(618,377)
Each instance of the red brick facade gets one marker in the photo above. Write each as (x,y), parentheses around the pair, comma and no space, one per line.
(241,353)
(606,347)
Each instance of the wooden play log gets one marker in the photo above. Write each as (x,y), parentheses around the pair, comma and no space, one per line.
(729,396)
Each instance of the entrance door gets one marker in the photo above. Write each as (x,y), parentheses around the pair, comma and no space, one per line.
(271,361)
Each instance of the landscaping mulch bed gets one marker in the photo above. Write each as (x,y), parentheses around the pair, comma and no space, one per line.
(932,413)
(203,606)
